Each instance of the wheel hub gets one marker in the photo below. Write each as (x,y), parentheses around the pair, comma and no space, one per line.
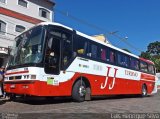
(82,91)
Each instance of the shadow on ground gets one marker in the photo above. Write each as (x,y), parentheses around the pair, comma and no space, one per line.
(57,100)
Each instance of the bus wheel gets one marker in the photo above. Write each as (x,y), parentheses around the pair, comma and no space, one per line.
(79,91)
(144,91)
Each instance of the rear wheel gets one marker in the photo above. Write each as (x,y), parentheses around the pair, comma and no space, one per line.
(79,91)
(144,91)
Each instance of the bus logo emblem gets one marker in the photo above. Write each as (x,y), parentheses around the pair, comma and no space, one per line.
(103,85)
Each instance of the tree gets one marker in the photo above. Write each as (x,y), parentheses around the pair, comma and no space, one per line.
(153,54)
(154,48)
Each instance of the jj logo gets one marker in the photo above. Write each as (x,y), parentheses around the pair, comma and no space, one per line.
(103,85)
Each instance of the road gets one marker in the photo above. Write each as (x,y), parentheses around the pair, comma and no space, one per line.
(116,104)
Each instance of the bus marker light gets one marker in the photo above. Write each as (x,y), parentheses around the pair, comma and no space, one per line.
(25,86)
(13,86)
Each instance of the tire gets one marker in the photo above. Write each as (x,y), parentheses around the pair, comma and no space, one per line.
(79,91)
(144,91)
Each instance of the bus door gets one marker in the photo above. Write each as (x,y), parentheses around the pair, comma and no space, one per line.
(59,50)
(53,54)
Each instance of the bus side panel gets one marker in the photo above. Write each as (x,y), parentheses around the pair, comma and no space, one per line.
(121,86)
(149,80)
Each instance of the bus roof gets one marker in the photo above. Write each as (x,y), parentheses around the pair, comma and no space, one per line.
(145,60)
(93,39)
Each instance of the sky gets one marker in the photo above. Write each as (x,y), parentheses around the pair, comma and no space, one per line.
(138,20)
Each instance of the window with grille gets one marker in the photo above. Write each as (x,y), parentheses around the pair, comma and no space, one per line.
(2,27)
(44,13)
(19,28)
(3,1)
(22,3)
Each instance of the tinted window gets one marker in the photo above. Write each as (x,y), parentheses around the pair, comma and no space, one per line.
(143,66)
(134,63)
(110,55)
(151,69)
(93,50)
(103,54)
(67,48)
(80,45)
(66,37)
(123,60)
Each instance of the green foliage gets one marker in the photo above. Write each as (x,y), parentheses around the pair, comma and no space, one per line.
(153,54)
(154,48)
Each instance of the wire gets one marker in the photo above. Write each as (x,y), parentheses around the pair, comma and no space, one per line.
(98,28)
(125,41)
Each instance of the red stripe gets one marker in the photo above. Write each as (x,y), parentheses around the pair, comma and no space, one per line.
(148,77)
(122,86)
(145,60)
(18,72)
(20,16)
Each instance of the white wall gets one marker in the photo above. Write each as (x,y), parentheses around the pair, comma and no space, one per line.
(32,9)
(7,39)
(158,75)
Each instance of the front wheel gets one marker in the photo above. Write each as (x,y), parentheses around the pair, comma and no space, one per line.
(79,91)
(144,91)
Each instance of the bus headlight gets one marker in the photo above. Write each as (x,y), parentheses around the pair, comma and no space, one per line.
(5,78)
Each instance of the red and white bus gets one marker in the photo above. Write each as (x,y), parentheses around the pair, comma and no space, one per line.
(51,59)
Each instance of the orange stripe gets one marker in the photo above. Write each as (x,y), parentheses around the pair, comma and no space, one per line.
(18,72)
(20,16)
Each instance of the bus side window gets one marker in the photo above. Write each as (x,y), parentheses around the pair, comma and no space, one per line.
(67,48)
(143,66)
(112,56)
(103,54)
(123,60)
(94,51)
(134,63)
(80,45)
(151,69)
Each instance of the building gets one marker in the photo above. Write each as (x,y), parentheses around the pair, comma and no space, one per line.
(158,81)
(102,38)
(19,15)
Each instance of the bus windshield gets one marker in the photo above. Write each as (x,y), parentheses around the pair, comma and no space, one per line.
(28,47)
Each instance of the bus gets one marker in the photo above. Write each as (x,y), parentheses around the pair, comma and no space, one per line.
(51,60)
